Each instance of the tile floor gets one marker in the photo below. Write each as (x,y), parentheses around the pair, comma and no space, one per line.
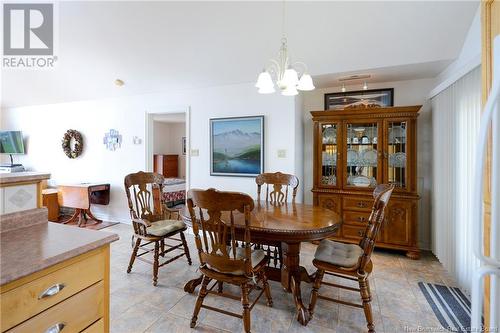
(398,305)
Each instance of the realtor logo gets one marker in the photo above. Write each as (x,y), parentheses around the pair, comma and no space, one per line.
(28,35)
(28,29)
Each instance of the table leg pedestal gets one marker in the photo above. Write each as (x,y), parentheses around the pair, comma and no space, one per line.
(80,215)
(92,217)
(292,275)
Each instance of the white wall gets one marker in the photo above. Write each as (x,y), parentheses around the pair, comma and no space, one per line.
(468,59)
(167,139)
(299,146)
(45,125)
(413,92)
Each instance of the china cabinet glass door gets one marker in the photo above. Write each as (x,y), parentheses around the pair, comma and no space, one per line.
(397,153)
(362,157)
(329,154)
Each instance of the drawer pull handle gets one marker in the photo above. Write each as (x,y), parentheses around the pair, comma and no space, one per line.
(51,291)
(360,233)
(361,219)
(56,328)
(361,204)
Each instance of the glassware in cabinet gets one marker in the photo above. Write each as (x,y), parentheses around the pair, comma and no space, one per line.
(362,154)
(397,152)
(329,154)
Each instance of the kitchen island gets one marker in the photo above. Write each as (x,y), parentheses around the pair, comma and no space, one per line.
(52,276)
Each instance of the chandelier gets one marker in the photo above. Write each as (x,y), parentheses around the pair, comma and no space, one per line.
(285,74)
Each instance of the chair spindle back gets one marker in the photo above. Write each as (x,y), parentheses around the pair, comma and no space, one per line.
(143,195)
(277,180)
(212,213)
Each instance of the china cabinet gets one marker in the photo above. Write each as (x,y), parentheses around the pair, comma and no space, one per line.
(356,149)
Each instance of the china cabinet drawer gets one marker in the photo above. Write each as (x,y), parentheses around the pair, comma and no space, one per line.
(33,297)
(356,218)
(72,315)
(353,232)
(357,204)
(97,327)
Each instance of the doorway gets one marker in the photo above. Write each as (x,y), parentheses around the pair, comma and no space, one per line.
(167,150)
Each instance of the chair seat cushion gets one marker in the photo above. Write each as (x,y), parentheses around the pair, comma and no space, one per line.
(163,227)
(257,257)
(338,254)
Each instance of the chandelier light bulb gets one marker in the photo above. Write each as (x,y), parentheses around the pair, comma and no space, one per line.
(290,78)
(365,86)
(305,83)
(343,89)
(290,91)
(264,81)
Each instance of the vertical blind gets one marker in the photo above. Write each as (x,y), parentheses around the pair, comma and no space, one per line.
(455,121)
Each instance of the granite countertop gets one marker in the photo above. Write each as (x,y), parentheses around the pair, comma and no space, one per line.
(29,249)
(15,177)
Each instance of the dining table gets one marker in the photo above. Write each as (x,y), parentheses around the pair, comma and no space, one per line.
(290,224)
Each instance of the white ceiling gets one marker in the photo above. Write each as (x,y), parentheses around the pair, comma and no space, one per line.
(159,46)
(384,74)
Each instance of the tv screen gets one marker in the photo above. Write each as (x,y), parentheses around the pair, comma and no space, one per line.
(11,142)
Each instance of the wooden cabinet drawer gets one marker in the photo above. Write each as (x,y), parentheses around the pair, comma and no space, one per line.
(353,232)
(359,204)
(356,218)
(74,314)
(97,327)
(35,296)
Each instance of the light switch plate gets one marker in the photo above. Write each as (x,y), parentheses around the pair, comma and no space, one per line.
(195,152)
(281,153)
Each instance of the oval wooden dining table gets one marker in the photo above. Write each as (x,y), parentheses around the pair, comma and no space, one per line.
(290,224)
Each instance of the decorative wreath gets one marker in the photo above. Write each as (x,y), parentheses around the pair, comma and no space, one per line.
(66,143)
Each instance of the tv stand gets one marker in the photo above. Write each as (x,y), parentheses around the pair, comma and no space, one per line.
(12,167)
(12,164)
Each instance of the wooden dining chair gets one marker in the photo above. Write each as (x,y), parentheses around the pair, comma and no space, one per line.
(278,186)
(221,259)
(277,180)
(151,225)
(352,261)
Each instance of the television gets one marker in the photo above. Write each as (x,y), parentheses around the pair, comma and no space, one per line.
(11,142)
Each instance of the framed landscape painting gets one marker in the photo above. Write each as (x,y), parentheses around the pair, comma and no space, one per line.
(360,99)
(237,146)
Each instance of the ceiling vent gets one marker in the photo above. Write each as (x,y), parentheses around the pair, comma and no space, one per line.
(354,77)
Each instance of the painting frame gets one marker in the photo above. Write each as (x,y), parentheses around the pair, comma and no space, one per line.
(389,91)
(259,119)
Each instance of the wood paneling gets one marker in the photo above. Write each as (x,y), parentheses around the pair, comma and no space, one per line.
(96,327)
(490,26)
